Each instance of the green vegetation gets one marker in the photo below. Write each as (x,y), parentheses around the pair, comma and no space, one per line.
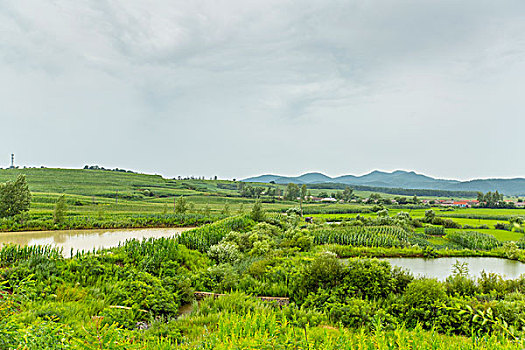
(474,240)
(60,210)
(382,236)
(435,230)
(15,197)
(203,238)
(129,297)
(250,242)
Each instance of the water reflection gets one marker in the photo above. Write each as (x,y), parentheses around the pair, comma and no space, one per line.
(441,268)
(84,239)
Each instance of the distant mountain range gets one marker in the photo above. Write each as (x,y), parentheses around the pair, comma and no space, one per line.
(402,179)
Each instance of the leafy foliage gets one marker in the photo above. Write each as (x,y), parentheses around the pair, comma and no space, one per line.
(15,197)
(474,240)
(203,238)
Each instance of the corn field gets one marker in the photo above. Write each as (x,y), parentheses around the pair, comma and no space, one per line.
(12,253)
(370,236)
(435,230)
(474,240)
(202,238)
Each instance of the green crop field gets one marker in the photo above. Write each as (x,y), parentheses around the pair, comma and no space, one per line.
(87,190)
(501,235)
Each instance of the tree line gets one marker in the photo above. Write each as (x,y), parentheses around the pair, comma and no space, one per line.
(493,200)
(250,191)
(396,191)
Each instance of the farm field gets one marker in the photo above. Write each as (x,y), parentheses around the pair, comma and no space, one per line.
(467,215)
(500,235)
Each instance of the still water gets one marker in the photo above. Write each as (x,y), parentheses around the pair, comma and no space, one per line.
(441,268)
(85,239)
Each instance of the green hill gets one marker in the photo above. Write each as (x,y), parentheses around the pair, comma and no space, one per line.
(105,183)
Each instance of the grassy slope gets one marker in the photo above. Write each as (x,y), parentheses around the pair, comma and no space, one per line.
(104,183)
(96,186)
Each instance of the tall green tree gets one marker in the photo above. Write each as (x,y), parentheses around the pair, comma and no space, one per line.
(181,206)
(226,209)
(59,214)
(292,192)
(257,213)
(241,209)
(15,197)
(347,194)
(375,196)
(207,210)
(303,191)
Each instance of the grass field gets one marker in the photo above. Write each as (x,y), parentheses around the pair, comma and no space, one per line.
(87,191)
(90,191)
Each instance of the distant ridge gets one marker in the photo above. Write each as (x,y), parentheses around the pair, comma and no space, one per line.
(402,179)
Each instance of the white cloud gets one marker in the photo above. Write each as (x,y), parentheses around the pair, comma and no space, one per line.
(244,87)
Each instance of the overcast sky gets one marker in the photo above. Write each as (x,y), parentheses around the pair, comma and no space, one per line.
(240,88)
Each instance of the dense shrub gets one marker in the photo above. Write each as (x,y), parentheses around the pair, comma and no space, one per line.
(144,292)
(225,252)
(353,313)
(423,299)
(366,278)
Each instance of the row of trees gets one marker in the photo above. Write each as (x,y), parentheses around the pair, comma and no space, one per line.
(491,200)
(183,206)
(96,167)
(293,192)
(196,178)
(250,191)
(376,198)
(396,191)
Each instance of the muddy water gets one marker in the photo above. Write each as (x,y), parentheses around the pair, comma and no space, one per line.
(441,268)
(84,239)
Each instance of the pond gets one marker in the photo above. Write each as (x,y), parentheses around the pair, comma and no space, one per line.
(85,239)
(441,268)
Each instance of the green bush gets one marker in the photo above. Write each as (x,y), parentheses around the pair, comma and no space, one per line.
(144,292)
(353,313)
(423,299)
(366,278)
